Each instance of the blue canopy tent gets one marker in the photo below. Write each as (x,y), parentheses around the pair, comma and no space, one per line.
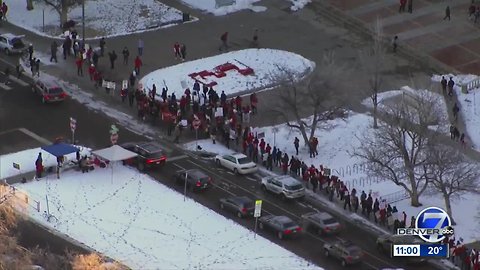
(60,149)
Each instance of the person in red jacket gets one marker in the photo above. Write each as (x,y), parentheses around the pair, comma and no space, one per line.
(262,146)
(138,64)
(403,3)
(238,103)
(91,72)
(79,63)
(176,50)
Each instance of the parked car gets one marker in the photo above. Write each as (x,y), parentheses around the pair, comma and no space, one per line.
(12,44)
(385,245)
(240,205)
(150,155)
(321,222)
(345,251)
(282,226)
(285,186)
(196,179)
(237,162)
(49,91)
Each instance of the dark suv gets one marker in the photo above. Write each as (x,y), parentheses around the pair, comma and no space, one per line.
(196,179)
(150,154)
(48,91)
(240,205)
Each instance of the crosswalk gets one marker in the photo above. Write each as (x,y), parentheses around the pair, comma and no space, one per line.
(12,82)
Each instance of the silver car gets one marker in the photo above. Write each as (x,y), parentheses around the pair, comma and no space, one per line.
(285,186)
(345,251)
(321,222)
(12,44)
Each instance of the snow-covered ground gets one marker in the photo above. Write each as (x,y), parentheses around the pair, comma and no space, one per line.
(26,159)
(468,104)
(103,17)
(337,140)
(132,218)
(211,6)
(267,64)
(298,4)
(440,105)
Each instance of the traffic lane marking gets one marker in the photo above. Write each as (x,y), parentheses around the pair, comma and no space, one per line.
(292,214)
(176,158)
(5,87)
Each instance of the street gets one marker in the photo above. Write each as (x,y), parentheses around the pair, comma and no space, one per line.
(93,129)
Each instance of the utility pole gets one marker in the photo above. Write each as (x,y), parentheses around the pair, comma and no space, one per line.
(83,24)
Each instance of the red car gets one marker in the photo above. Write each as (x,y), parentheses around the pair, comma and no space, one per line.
(48,91)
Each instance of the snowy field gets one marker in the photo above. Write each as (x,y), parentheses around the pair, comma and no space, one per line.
(391,96)
(336,141)
(26,159)
(266,64)
(211,7)
(298,4)
(467,103)
(132,218)
(102,17)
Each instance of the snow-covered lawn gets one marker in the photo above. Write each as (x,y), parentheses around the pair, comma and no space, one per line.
(26,159)
(211,6)
(132,218)
(467,103)
(102,17)
(336,141)
(266,65)
(392,96)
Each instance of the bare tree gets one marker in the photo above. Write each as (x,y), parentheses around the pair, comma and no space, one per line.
(372,61)
(63,7)
(399,150)
(452,174)
(315,96)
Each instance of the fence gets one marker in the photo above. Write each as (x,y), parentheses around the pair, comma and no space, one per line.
(396,196)
(18,198)
(473,84)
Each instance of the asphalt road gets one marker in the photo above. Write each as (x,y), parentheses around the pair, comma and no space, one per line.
(20,108)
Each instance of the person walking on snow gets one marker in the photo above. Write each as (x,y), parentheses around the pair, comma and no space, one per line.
(447,13)
(450,85)
(224,39)
(296,143)
(126,54)
(39,166)
(176,50)
(138,64)
(443,83)
(140,47)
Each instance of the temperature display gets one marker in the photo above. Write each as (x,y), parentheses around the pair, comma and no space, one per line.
(421,250)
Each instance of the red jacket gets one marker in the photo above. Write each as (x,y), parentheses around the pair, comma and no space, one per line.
(79,62)
(138,62)
(91,70)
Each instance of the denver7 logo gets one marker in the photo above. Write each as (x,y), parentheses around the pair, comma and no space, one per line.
(437,219)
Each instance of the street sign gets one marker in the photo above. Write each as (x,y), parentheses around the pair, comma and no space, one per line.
(258,208)
(196,123)
(73,124)
(114,138)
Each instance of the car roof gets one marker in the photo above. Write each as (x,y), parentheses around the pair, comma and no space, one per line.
(10,35)
(49,83)
(197,173)
(321,216)
(238,155)
(287,180)
(282,219)
(241,199)
(150,146)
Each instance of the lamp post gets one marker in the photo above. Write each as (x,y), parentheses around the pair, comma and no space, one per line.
(185,186)
(83,23)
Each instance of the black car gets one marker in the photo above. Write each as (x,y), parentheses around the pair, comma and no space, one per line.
(196,179)
(150,154)
(282,226)
(240,205)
